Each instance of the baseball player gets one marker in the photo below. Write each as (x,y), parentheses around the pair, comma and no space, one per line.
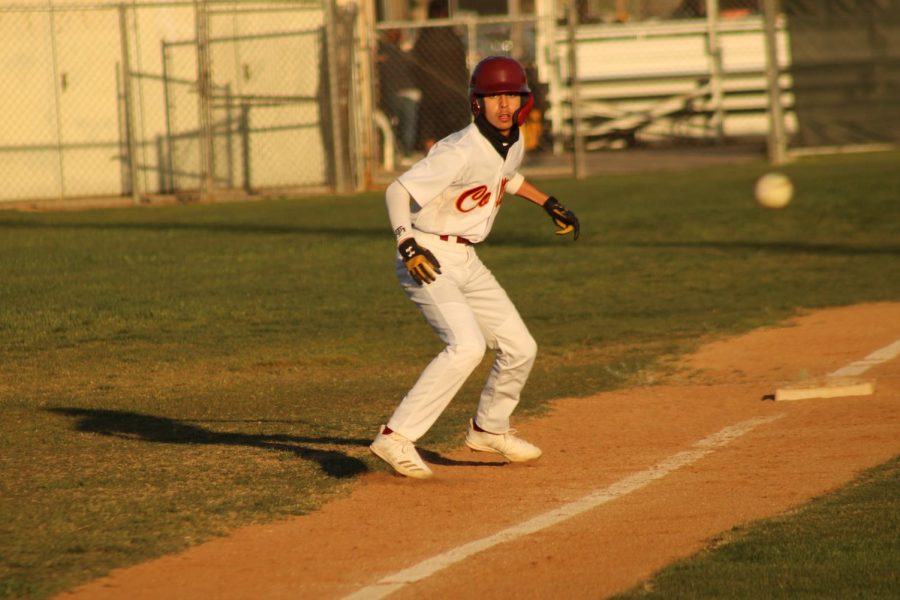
(440,210)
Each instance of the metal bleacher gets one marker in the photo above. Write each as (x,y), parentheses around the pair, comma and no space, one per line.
(656,80)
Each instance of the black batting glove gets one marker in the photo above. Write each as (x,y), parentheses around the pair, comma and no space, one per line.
(564,218)
(419,261)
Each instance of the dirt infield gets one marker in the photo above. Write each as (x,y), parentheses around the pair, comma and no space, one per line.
(390,524)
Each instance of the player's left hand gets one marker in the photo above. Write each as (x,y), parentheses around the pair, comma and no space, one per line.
(564,218)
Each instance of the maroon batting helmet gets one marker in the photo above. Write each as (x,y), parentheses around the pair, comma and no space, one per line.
(500,75)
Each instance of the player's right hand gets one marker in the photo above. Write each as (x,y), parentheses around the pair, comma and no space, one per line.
(419,261)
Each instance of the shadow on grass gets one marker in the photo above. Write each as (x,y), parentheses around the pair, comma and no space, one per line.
(163,430)
(529,240)
(792,247)
(215,228)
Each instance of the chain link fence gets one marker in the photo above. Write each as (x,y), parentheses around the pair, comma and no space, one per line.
(267,100)
(171,97)
(422,77)
(607,74)
(207,98)
(845,74)
(60,129)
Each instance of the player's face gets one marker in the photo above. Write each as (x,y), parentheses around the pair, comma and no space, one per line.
(499,111)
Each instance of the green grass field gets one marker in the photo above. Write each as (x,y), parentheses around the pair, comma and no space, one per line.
(840,546)
(169,373)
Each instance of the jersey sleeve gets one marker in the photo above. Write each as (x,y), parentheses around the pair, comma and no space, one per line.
(513,185)
(433,174)
(396,199)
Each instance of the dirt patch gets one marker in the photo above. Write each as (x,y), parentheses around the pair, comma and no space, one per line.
(390,523)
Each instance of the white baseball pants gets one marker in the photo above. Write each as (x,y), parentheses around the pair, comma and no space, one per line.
(470,312)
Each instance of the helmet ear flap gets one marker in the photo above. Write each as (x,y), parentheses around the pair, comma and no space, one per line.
(523,111)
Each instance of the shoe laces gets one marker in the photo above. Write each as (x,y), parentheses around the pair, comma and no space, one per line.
(406,445)
(508,440)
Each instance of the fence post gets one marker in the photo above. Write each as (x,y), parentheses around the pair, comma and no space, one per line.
(57,104)
(337,122)
(167,106)
(363,112)
(161,161)
(776,141)
(472,56)
(517,33)
(714,50)
(229,135)
(204,100)
(244,126)
(129,106)
(578,167)
(548,62)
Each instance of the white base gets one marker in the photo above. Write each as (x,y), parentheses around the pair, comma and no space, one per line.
(825,387)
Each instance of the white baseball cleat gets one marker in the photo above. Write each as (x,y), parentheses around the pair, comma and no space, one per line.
(512,448)
(400,453)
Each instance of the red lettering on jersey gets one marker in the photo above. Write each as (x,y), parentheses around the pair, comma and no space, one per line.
(503,183)
(471,199)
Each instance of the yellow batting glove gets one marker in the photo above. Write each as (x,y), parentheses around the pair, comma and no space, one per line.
(564,218)
(423,267)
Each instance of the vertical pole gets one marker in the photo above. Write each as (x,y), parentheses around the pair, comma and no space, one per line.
(229,136)
(54,56)
(776,139)
(236,54)
(129,106)
(549,64)
(364,112)
(140,134)
(160,162)
(575,94)
(204,100)
(170,144)
(714,51)
(472,42)
(337,124)
(245,145)
(122,146)
(517,33)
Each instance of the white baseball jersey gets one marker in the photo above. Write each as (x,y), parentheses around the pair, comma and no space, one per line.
(459,186)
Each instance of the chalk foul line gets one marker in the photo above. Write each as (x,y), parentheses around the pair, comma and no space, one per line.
(391,583)
(878,357)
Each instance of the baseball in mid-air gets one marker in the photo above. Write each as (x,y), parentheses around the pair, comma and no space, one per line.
(773,190)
